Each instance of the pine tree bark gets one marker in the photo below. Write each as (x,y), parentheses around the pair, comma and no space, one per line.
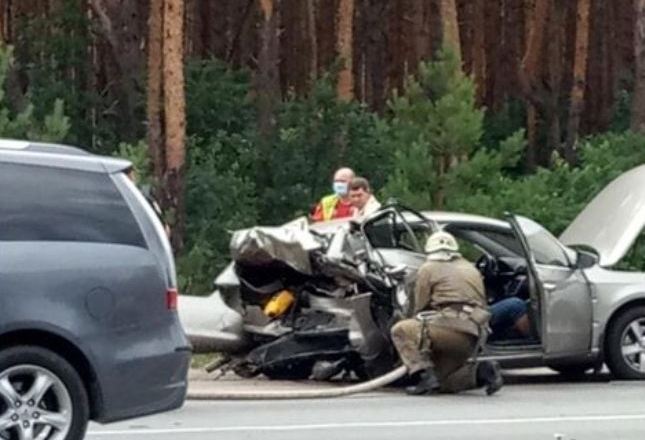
(268,84)
(554,79)
(154,91)
(531,111)
(530,66)
(479,48)
(344,43)
(312,38)
(5,8)
(579,78)
(638,106)
(122,26)
(174,116)
(450,25)
(376,52)
(535,18)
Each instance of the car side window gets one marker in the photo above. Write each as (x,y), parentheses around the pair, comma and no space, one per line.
(468,250)
(544,246)
(380,232)
(392,231)
(52,204)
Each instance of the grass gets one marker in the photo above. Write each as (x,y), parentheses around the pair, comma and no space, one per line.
(202,359)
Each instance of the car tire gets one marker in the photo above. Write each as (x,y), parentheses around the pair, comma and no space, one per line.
(622,350)
(47,394)
(572,371)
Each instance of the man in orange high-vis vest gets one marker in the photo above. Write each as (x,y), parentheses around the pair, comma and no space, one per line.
(336,205)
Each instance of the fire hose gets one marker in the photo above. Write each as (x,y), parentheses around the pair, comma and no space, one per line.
(362,387)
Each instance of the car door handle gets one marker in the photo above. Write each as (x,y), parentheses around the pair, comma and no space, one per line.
(548,287)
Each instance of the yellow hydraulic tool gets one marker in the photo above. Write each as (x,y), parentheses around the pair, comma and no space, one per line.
(279,304)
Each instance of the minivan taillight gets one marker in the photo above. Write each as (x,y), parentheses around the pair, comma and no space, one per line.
(171,299)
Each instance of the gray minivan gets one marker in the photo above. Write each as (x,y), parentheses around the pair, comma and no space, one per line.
(88,323)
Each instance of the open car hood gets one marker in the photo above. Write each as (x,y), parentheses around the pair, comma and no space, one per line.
(612,221)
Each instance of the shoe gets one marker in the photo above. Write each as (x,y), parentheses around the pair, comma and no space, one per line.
(427,383)
(489,375)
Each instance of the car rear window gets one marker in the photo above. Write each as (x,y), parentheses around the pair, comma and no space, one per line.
(53,204)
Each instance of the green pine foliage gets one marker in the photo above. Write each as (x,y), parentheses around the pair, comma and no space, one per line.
(436,133)
(25,124)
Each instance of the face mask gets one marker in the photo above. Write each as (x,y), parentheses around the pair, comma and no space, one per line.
(340,188)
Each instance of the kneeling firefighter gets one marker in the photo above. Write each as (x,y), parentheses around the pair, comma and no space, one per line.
(450,323)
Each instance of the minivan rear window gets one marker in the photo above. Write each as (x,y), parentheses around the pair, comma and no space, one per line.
(53,204)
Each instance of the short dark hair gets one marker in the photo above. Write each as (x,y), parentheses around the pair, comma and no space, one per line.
(360,183)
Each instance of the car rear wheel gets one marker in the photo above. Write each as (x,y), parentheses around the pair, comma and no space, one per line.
(41,396)
(626,345)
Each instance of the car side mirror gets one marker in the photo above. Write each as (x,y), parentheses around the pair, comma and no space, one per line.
(584,260)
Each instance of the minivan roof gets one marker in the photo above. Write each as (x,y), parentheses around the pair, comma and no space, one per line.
(58,155)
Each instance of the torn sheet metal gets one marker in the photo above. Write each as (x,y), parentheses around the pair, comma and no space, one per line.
(264,245)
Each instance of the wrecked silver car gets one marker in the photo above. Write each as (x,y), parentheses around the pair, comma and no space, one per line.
(324,298)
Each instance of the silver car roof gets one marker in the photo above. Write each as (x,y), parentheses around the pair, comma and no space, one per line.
(441,217)
(58,156)
(466,219)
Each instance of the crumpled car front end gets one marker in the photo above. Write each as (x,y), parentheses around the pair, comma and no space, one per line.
(293,297)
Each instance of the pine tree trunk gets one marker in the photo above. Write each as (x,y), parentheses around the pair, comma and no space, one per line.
(579,78)
(122,26)
(344,43)
(422,34)
(450,25)
(174,116)
(535,17)
(531,111)
(395,45)
(312,38)
(154,89)
(5,8)
(376,52)
(479,48)
(268,84)
(554,79)
(530,65)
(638,106)
(216,39)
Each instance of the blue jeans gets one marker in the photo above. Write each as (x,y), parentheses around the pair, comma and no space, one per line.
(504,313)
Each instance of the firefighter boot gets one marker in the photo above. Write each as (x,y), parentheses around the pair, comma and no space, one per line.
(427,383)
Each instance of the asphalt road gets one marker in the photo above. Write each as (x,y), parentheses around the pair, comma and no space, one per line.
(531,407)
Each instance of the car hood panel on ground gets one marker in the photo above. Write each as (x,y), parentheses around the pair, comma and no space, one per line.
(612,221)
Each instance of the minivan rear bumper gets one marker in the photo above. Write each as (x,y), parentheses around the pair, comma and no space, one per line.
(145,377)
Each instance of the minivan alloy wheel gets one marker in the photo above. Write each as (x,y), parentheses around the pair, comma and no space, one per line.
(633,345)
(35,404)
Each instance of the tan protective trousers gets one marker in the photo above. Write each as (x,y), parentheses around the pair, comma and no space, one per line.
(443,349)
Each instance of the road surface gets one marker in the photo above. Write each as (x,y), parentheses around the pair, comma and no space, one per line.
(531,407)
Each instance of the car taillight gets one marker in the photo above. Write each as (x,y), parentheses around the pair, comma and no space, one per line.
(171,299)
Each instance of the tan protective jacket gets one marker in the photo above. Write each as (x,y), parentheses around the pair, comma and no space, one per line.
(455,291)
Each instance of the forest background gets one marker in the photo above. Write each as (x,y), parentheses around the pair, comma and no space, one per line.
(238,111)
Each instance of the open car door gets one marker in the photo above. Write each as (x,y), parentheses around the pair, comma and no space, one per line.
(561,296)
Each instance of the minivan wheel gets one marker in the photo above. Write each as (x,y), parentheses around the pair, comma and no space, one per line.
(626,345)
(41,396)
